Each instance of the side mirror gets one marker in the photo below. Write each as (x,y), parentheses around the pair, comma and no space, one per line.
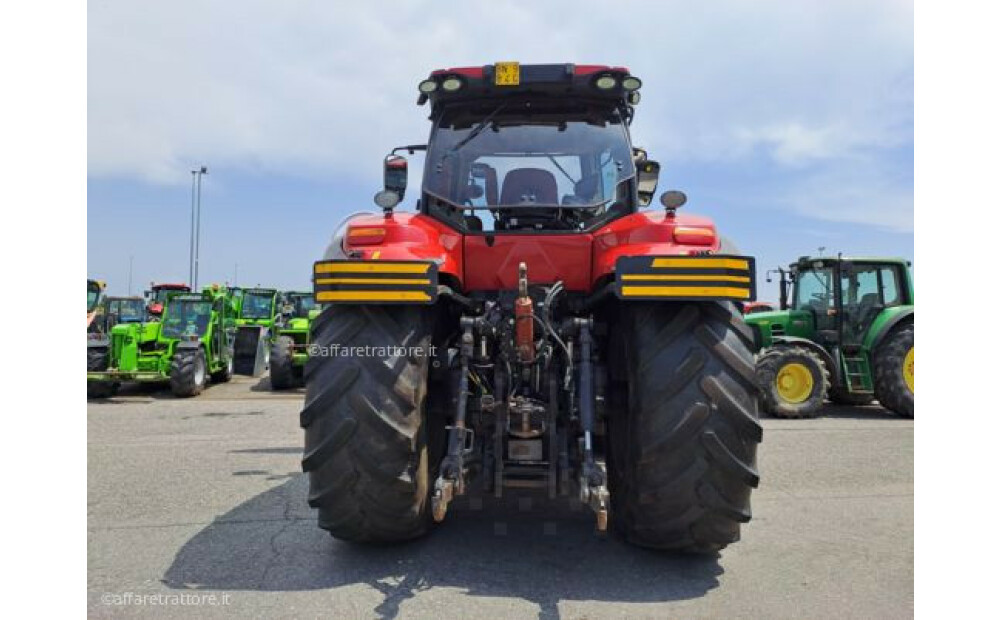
(395,175)
(647,176)
(673,199)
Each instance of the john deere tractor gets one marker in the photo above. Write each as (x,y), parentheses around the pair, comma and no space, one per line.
(254,329)
(532,328)
(290,347)
(846,333)
(191,342)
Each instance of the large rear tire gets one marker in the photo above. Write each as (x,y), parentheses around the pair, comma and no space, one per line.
(365,424)
(188,373)
(683,455)
(894,371)
(282,373)
(793,381)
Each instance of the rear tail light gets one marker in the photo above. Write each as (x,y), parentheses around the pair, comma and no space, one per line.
(365,235)
(693,235)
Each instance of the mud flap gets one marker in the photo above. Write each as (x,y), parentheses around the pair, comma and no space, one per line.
(251,350)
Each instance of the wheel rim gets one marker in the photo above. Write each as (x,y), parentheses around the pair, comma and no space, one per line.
(908,369)
(199,370)
(794,383)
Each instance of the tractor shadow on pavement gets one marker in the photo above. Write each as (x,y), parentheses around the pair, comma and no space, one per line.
(263,384)
(539,553)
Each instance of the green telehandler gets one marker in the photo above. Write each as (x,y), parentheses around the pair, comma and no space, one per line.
(257,309)
(846,333)
(290,348)
(191,342)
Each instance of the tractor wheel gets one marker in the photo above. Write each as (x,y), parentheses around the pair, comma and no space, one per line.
(793,381)
(282,373)
(683,455)
(226,374)
(97,361)
(365,423)
(188,372)
(894,371)
(843,397)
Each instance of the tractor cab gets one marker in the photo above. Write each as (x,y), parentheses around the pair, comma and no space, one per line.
(157,296)
(533,148)
(186,317)
(844,297)
(257,305)
(297,305)
(94,290)
(118,310)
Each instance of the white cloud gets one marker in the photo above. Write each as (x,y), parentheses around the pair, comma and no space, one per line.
(311,87)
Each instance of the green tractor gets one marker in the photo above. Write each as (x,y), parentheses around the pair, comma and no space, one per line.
(290,348)
(846,333)
(191,341)
(257,310)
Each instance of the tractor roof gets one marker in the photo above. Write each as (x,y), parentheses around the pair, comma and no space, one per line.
(501,80)
(804,260)
(169,286)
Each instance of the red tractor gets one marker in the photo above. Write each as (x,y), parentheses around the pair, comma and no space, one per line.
(531,328)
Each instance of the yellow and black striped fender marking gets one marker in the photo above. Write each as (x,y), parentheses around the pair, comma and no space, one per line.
(695,278)
(375,281)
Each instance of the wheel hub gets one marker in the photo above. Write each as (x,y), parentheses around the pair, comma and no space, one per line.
(908,369)
(199,371)
(794,383)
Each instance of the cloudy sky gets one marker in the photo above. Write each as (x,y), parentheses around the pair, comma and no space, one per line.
(790,123)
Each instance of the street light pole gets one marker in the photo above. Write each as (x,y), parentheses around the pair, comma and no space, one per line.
(130,275)
(190,278)
(197,227)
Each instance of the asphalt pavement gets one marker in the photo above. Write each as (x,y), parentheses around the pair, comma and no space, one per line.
(197,509)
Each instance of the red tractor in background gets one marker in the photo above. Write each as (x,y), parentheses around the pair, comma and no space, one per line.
(759,306)
(531,328)
(157,295)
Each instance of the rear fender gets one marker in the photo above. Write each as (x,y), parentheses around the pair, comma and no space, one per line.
(884,323)
(406,237)
(651,233)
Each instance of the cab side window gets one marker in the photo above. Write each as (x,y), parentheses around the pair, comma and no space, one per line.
(862,283)
(890,287)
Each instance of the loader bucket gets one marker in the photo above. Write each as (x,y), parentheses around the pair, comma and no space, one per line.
(251,350)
